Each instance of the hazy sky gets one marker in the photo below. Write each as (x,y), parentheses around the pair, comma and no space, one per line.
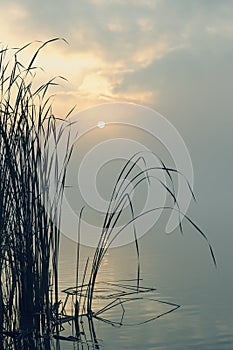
(173,55)
(145,51)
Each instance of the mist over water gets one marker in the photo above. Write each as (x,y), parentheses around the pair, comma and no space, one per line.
(179,267)
(181,270)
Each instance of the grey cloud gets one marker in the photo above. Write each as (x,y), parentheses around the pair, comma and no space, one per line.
(182,23)
(196,96)
(85,24)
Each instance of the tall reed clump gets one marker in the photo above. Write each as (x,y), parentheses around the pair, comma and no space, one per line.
(29,239)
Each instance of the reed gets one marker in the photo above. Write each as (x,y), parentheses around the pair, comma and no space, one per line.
(129,180)
(29,238)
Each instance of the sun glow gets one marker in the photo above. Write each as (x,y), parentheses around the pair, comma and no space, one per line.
(101,124)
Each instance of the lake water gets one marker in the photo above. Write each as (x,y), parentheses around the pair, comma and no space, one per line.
(178,266)
(181,270)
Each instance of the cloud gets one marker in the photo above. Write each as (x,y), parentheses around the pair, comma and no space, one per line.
(120,49)
(90,27)
(12,23)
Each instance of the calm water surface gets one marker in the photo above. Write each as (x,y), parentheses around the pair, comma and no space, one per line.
(181,270)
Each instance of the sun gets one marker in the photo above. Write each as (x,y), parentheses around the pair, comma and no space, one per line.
(101,124)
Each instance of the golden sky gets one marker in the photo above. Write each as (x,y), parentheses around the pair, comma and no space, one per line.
(142,51)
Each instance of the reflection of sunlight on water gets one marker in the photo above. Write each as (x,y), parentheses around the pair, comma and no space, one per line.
(198,324)
(117,264)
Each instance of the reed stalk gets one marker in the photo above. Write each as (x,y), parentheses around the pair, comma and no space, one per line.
(29,233)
